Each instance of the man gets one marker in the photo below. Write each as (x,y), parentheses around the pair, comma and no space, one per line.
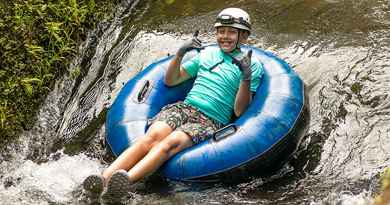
(225,80)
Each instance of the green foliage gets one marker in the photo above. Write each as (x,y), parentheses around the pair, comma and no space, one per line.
(384,197)
(38,39)
(75,73)
(386,179)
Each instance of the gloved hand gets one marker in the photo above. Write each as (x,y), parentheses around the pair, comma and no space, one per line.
(244,63)
(194,43)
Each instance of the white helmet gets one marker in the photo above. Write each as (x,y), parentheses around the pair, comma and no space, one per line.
(234,17)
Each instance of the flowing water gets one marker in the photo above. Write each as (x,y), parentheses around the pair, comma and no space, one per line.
(340,48)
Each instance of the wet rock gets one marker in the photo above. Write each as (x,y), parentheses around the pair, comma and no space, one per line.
(55,156)
(8,182)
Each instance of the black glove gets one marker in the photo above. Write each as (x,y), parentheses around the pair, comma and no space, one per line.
(243,61)
(194,43)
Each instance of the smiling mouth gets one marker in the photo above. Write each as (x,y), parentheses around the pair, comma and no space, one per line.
(226,43)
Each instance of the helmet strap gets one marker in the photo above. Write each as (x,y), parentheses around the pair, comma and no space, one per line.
(238,40)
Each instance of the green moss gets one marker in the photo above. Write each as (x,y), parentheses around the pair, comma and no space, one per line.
(38,39)
(386,179)
(75,72)
(384,197)
(356,87)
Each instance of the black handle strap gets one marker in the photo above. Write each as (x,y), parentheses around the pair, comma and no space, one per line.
(142,94)
(224,132)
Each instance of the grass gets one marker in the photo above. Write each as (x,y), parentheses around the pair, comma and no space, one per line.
(38,39)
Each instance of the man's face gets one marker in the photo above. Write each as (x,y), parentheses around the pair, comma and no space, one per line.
(227,38)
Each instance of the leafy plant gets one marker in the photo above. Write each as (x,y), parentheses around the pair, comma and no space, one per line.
(38,39)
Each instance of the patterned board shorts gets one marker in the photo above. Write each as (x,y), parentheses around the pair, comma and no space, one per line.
(184,117)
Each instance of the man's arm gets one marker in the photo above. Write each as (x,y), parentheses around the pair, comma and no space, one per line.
(175,73)
(243,97)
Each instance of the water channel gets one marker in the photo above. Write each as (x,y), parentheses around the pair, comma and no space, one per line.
(340,48)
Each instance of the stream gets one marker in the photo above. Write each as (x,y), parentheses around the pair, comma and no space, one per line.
(340,48)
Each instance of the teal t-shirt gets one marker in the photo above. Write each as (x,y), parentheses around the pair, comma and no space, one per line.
(217,82)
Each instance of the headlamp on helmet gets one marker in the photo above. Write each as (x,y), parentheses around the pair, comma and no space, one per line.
(226,19)
(233,17)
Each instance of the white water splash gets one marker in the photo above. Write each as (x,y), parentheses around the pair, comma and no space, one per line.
(51,182)
(346,198)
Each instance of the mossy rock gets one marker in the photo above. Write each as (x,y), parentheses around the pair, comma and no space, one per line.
(384,198)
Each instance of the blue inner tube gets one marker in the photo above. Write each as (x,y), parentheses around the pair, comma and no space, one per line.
(260,140)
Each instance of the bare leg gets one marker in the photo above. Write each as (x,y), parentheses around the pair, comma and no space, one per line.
(157,132)
(160,153)
(120,182)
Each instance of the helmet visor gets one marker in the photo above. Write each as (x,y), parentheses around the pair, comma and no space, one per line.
(226,19)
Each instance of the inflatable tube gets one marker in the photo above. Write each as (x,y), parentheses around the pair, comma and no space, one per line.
(260,140)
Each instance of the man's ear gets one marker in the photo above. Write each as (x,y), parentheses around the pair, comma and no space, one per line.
(244,35)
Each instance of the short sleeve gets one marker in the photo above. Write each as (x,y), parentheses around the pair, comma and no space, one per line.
(257,73)
(192,65)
